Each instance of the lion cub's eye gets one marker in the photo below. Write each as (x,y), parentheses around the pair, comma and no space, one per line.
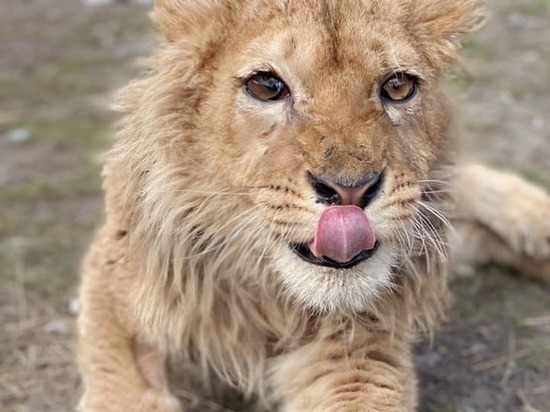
(266,87)
(398,88)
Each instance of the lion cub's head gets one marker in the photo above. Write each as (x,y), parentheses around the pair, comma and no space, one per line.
(297,136)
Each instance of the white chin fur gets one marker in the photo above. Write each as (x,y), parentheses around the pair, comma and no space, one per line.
(329,290)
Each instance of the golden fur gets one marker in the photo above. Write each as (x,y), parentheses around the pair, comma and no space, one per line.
(206,187)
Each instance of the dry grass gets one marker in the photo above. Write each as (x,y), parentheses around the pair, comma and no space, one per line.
(38,373)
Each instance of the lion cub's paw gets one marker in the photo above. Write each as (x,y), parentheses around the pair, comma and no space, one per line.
(161,401)
(524,220)
(516,210)
(147,401)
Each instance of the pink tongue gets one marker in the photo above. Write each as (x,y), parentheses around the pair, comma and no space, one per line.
(342,233)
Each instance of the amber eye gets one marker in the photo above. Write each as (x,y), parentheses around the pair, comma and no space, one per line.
(399,88)
(266,87)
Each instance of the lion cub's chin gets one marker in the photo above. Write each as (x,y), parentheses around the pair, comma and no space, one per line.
(328,290)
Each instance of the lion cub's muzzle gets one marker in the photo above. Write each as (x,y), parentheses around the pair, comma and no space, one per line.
(344,236)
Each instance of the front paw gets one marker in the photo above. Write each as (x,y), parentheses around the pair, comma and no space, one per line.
(364,404)
(356,397)
(511,207)
(147,401)
(161,401)
(524,221)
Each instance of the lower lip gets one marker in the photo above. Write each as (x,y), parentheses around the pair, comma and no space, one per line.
(305,254)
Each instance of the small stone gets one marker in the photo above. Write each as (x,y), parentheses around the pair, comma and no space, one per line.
(74,307)
(18,135)
(521,21)
(464,270)
(430,359)
(102,3)
(98,3)
(59,326)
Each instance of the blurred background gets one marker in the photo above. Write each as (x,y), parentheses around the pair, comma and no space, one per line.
(61,60)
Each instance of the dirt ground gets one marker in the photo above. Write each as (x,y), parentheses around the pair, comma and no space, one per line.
(60,62)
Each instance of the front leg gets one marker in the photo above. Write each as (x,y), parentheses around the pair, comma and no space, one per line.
(119,373)
(371,372)
(515,210)
(500,218)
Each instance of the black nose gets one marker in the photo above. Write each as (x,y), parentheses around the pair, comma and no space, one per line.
(338,191)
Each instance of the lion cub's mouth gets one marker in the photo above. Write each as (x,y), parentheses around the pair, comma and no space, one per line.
(344,237)
(303,251)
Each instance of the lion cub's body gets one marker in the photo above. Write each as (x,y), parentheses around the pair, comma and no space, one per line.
(207,191)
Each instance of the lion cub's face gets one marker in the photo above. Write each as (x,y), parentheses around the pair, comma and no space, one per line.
(330,115)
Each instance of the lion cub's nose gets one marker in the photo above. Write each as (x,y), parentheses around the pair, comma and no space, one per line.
(344,192)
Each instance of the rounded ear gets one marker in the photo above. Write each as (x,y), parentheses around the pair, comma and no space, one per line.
(440,24)
(182,18)
(447,18)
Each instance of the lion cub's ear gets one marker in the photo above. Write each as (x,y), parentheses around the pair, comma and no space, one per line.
(440,24)
(183,18)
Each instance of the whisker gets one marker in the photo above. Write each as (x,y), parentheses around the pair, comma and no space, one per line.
(440,182)
(268,238)
(424,230)
(437,214)
(204,192)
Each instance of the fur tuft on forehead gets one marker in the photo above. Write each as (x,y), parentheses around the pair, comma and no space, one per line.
(433,26)
(178,19)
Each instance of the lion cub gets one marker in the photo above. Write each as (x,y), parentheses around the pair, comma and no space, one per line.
(274,205)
